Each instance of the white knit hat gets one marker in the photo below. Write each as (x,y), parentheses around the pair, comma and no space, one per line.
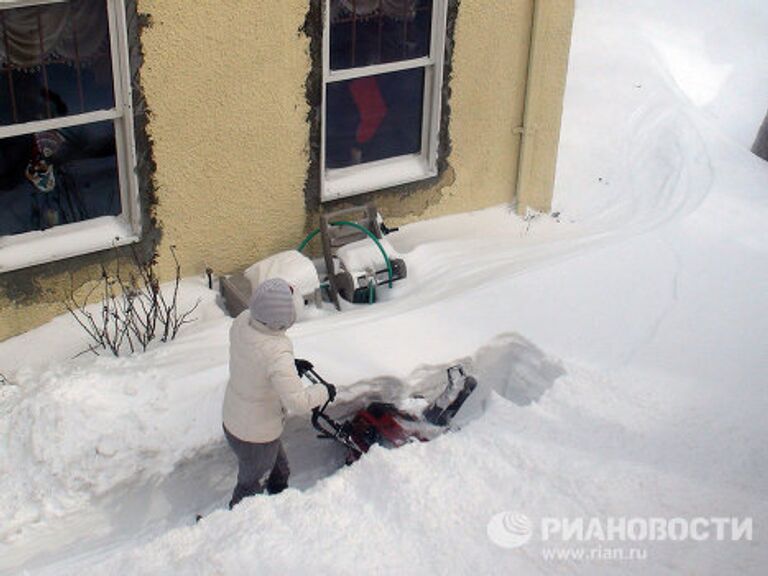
(272,304)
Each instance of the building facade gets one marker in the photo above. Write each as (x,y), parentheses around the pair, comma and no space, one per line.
(224,129)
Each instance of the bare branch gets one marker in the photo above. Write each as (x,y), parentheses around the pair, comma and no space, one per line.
(133,310)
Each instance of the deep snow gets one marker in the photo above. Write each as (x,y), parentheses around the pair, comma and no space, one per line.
(620,347)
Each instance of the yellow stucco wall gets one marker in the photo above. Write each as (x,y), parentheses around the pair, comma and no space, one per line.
(226,88)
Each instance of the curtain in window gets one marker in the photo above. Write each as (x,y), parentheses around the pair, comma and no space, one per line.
(72,31)
(400,9)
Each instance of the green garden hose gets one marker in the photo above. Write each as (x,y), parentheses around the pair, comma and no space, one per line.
(315,232)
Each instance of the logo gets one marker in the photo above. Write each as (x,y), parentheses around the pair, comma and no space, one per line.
(510,529)
(605,539)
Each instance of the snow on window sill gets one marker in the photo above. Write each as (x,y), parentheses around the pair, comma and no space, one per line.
(344,182)
(66,241)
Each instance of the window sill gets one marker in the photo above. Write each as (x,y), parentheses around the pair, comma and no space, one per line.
(66,241)
(345,182)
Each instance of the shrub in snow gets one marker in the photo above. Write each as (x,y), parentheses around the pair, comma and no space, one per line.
(134,309)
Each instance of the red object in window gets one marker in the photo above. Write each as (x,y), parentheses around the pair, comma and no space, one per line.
(371,106)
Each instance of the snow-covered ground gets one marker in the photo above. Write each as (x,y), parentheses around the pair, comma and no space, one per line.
(620,347)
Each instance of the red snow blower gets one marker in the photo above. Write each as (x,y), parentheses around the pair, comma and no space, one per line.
(385,424)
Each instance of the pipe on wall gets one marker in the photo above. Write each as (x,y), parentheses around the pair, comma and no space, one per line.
(526,130)
(550,43)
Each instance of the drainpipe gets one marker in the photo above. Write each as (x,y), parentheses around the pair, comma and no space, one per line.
(526,131)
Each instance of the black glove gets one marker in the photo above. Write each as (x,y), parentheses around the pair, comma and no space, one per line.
(331,392)
(303,366)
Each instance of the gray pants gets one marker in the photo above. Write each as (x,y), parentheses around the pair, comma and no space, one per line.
(260,465)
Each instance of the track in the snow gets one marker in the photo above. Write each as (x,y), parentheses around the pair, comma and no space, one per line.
(148,507)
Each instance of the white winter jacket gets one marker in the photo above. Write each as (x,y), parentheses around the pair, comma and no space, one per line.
(263,384)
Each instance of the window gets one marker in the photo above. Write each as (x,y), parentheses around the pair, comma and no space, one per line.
(67,179)
(382,82)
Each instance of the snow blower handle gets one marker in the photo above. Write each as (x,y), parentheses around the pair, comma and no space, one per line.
(326,426)
(305,368)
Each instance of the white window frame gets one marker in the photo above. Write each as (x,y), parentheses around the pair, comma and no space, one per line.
(68,240)
(336,183)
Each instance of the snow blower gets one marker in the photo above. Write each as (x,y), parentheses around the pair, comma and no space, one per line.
(385,424)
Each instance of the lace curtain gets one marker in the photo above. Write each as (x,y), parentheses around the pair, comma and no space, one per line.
(398,9)
(72,31)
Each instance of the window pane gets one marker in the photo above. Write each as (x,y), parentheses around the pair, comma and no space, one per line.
(366,32)
(54,61)
(58,177)
(373,118)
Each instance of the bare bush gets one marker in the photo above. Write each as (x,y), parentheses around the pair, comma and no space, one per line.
(134,310)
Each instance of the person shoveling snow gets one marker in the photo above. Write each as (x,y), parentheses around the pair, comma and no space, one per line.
(263,386)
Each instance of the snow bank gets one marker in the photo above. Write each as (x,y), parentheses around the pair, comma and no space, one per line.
(94,432)
(424,508)
(75,429)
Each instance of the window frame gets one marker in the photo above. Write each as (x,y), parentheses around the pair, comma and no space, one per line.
(78,238)
(338,183)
